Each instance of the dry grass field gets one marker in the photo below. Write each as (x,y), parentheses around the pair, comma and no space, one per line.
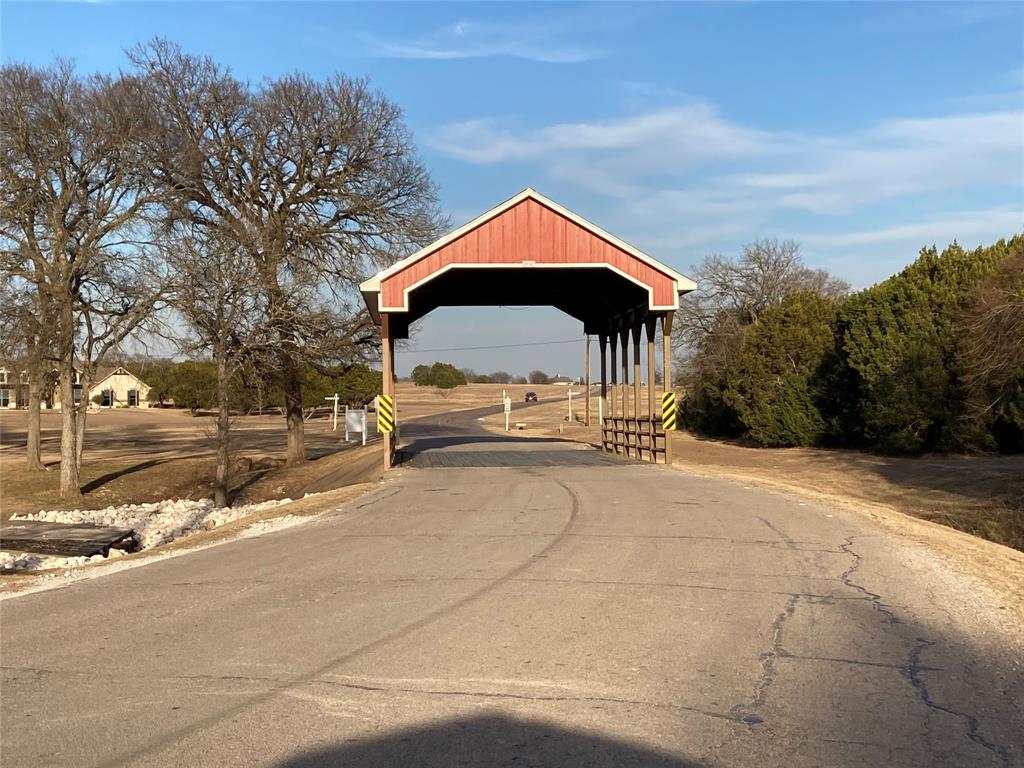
(147,455)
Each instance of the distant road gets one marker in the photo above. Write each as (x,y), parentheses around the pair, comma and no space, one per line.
(510,602)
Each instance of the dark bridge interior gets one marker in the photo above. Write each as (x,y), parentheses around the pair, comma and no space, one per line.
(591,295)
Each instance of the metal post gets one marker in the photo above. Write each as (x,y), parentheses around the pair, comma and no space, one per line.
(346,422)
(570,404)
(388,382)
(666,341)
(364,425)
(586,364)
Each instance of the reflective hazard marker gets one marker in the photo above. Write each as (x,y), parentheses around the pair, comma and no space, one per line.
(668,411)
(386,413)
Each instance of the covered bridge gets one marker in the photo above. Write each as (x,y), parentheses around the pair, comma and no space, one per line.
(531,251)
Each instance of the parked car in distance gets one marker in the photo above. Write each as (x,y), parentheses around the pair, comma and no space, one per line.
(531,397)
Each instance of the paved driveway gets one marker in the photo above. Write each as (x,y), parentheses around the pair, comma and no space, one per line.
(582,611)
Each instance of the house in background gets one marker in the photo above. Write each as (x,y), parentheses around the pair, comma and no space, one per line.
(118,388)
(13,389)
(115,387)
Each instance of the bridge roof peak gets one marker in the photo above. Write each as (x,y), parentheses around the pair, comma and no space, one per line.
(526,233)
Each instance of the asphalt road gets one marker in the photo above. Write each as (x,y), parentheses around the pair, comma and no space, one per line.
(562,609)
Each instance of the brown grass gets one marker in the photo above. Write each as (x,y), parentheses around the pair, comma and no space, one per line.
(147,455)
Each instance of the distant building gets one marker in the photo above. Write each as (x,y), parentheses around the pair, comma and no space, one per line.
(13,389)
(562,381)
(119,388)
(115,387)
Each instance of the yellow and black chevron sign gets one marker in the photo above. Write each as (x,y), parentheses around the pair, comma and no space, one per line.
(386,413)
(668,410)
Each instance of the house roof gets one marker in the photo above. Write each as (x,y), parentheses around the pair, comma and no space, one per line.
(104,373)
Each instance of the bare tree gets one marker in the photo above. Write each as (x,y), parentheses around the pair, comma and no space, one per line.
(994,335)
(74,221)
(26,348)
(317,183)
(214,294)
(731,293)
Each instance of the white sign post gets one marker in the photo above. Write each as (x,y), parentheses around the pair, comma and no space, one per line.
(335,399)
(508,409)
(570,403)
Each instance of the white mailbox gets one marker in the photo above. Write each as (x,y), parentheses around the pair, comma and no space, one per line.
(355,421)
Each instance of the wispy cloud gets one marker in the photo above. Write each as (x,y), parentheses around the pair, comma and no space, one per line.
(969,228)
(896,158)
(475,40)
(669,139)
(659,150)
(679,178)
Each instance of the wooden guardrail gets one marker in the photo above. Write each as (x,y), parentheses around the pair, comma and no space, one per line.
(634,436)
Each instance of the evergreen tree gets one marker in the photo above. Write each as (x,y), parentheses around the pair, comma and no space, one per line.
(776,386)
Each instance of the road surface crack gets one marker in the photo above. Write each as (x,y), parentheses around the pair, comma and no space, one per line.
(747,712)
(875,599)
(913,670)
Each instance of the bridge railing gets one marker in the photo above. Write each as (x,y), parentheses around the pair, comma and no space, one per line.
(638,437)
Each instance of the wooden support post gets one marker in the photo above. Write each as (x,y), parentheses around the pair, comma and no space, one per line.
(586,364)
(624,384)
(637,379)
(603,341)
(388,383)
(653,411)
(624,392)
(666,341)
(613,343)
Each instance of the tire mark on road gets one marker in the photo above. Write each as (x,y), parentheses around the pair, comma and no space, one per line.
(170,738)
(529,697)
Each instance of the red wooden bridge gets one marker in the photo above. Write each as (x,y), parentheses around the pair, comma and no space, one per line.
(530,250)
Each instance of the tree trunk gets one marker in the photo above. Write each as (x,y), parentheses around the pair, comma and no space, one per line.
(34,460)
(220,486)
(70,486)
(291,385)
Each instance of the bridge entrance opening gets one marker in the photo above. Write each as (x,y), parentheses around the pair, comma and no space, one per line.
(531,251)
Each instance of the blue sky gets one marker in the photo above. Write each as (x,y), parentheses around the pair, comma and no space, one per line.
(863,131)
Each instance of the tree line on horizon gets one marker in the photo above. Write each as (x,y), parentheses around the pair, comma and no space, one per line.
(447,376)
(175,200)
(931,359)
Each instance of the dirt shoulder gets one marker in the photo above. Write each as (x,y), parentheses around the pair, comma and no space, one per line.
(275,518)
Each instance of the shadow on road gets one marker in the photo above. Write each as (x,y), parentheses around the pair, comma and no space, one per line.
(485,741)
